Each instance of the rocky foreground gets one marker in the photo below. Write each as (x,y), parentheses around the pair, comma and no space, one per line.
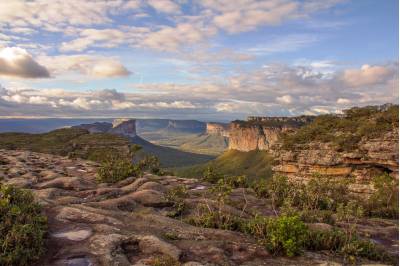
(127,224)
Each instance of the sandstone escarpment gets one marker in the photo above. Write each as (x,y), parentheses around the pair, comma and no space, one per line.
(370,158)
(261,133)
(120,126)
(124,127)
(218,129)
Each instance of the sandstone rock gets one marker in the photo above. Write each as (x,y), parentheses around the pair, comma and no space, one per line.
(135,185)
(74,234)
(20,182)
(152,244)
(192,263)
(66,182)
(150,198)
(152,186)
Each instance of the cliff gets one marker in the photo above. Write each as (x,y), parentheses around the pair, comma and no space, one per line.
(124,127)
(188,126)
(218,129)
(359,145)
(371,157)
(261,133)
(120,126)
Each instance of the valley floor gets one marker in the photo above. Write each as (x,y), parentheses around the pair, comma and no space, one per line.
(127,223)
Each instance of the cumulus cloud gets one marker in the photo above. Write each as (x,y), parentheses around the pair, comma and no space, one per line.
(172,38)
(89,65)
(251,14)
(285,99)
(165,6)
(368,75)
(17,62)
(275,89)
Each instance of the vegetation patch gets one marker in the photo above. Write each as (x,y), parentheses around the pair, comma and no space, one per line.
(22,227)
(281,235)
(346,131)
(252,164)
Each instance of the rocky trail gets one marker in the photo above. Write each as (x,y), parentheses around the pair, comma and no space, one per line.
(127,223)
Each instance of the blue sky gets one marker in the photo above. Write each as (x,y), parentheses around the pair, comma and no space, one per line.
(206,59)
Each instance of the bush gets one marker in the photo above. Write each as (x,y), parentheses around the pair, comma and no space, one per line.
(177,197)
(211,175)
(384,201)
(151,163)
(116,168)
(322,193)
(338,241)
(357,123)
(278,189)
(281,235)
(260,188)
(22,227)
(237,181)
(209,218)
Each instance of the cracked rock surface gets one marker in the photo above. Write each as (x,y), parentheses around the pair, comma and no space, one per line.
(126,223)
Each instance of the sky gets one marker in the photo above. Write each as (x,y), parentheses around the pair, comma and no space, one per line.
(211,60)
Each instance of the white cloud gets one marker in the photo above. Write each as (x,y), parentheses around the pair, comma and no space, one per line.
(273,90)
(17,62)
(89,65)
(285,99)
(368,75)
(288,43)
(165,6)
(172,38)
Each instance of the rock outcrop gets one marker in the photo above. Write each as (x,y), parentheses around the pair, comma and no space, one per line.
(124,126)
(372,157)
(127,223)
(218,129)
(120,126)
(261,133)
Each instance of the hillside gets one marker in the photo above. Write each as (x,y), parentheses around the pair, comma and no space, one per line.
(196,143)
(252,164)
(79,143)
(170,157)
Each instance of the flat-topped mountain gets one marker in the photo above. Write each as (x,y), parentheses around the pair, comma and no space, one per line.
(120,126)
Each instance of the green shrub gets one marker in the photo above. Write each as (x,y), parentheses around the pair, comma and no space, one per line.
(281,235)
(260,188)
(150,163)
(211,175)
(322,193)
(237,181)
(207,217)
(368,122)
(384,201)
(338,241)
(317,216)
(278,189)
(116,168)
(177,197)
(22,227)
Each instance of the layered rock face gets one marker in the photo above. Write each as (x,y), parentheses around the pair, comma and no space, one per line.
(98,127)
(261,133)
(186,126)
(218,129)
(120,126)
(124,127)
(371,158)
